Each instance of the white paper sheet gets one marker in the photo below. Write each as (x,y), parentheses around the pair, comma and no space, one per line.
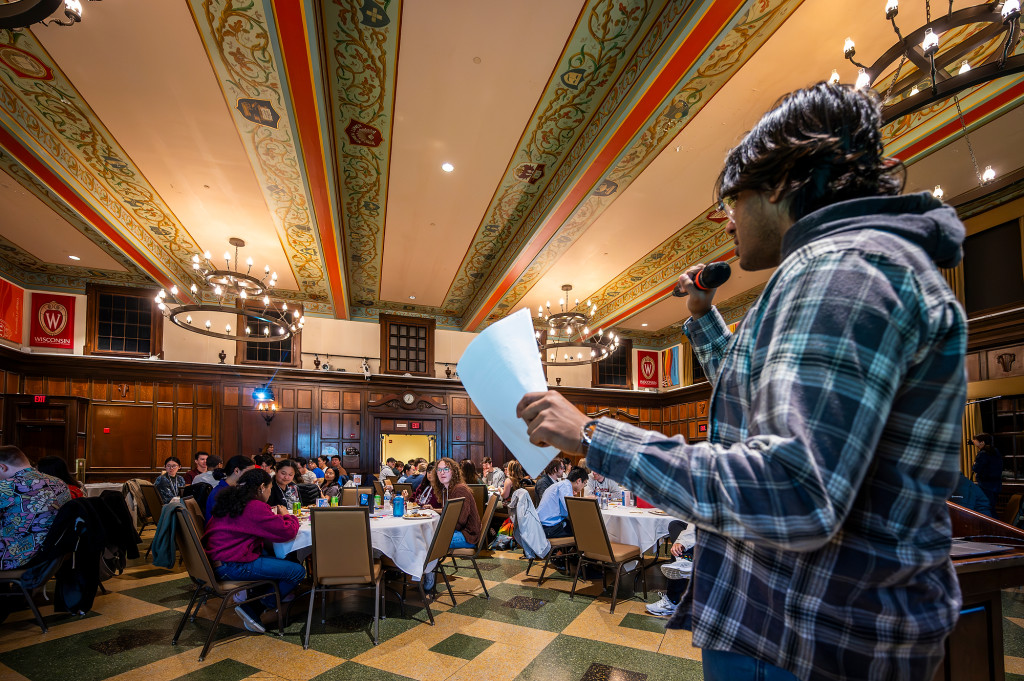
(500,366)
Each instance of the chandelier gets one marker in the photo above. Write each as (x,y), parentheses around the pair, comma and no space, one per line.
(24,13)
(942,73)
(273,323)
(569,341)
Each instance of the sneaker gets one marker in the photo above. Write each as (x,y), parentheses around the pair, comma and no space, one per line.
(249,622)
(630,566)
(662,608)
(681,568)
(240,596)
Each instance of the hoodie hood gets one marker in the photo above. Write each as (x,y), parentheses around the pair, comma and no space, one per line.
(919,218)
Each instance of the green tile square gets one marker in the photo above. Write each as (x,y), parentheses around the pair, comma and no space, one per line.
(570,657)
(225,670)
(349,628)
(555,614)
(174,593)
(93,654)
(461,645)
(353,671)
(644,623)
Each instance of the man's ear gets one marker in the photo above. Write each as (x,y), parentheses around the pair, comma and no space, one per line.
(778,194)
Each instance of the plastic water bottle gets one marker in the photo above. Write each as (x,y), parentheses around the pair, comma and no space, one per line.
(399,509)
(387,499)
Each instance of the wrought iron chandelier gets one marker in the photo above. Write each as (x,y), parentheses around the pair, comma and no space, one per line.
(943,73)
(23,13)
(273,323)
(569,341)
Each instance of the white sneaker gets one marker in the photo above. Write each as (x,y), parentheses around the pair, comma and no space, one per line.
(250,623)
(662,608)
(681,568)
(630,566)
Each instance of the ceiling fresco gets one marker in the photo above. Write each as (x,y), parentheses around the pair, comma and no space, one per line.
(584,138)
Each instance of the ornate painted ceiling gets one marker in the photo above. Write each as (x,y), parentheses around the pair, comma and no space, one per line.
(585,137)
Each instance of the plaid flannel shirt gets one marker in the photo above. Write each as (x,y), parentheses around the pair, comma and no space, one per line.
(823,535)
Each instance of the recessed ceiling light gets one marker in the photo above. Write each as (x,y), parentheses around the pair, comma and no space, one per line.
(447,167)
(412,297)
(643,325)
(74,257)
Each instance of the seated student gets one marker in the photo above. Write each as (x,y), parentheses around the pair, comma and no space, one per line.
(469,473)
(213,463)
(447,484)
(425,492)
(553,472)
(55,467)
(240,526)
(29,501)
(315,467)
(228,477)
(169,484)
(387,469)
(599,483)
(406,472)
(553,514)
(492,477)
(284,491)
(198,467)
(416,476)
(515,477)
(329,485)
(305,475)
(677,573)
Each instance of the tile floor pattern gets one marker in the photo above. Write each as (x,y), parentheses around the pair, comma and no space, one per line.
(522,632)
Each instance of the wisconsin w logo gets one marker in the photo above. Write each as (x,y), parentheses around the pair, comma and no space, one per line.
(53,317)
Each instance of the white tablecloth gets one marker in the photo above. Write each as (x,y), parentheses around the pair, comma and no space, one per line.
(636,526)
(94,489)
(403,540)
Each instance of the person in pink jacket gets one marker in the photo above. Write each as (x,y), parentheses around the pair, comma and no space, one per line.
(240,524)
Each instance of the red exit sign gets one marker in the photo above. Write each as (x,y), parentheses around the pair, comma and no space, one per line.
(39,399)
(415,425)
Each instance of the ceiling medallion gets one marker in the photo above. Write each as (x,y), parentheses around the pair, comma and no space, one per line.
(569,341)
(24,13)
(272,323)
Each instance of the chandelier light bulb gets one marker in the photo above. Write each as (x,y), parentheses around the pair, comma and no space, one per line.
(892,8)
(227,328)
(73,9)
(266,269)
(266,300)
(242,294)
(863,80)
(914,91)
(964,68)
(593,354)
(162,306)
(548,304)
(248,261)
(930,44)
(217,290)
(193,289)
(848,48)
(195,258)
(207,324)
(834,78)
(174,290)
(988,175)
(280,330)
(227,256)
(266,330)
(188,319)
(273,276)
(551,358)
(284,306)
(248,331)
(937,192)
(206,255)
(1011,10)
(157,299)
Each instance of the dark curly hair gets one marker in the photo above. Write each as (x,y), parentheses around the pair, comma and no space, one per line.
(817,146)
(232,501)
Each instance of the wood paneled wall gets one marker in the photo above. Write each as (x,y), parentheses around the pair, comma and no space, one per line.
(156,409)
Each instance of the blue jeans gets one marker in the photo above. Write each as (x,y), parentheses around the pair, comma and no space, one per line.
(286,573)
(459,541)
(724,666)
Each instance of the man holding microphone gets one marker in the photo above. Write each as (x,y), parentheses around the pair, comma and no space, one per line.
(819,497)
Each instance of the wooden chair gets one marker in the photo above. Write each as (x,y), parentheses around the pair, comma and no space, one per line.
(594,545)
(1012,506)
(350,495)
(378,489)
(404,487)
(200,570)
(474,553)
(393,479)
(480,497)
(342,559)
(532,491)
(198,516)
(439,547)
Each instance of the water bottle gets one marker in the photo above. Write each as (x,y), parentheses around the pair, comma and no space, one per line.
(399,509)
(387,499)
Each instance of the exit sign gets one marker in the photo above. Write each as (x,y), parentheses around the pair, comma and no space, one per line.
(39,399)
(415,425)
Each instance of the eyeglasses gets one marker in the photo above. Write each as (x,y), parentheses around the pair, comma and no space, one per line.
(443,470)
(727,204)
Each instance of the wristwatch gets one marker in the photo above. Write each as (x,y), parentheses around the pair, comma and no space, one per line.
(586,433)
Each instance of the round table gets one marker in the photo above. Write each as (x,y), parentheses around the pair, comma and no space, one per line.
(641,527)
(94,489)
(404,540)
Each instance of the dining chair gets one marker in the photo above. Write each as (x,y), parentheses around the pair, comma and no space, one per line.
(198,517)
(393,479)
(532,491)
(474,553)
(200,570)
(29,580)
(378,489)
(479,496)
(594,546)
(342,559)
(440,545)
(350,495)
(405,487)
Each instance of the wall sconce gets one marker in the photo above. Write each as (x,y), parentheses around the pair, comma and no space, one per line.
(268,410)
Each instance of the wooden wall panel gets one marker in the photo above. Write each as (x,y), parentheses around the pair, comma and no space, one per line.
(287,399)
(351,401)
(350,427)
(304,433)
(184,425)
(204,394)
(476,430)
(330,426)
(330,399)
(460,430)
(204,422)
(460,405)
(164,421)
(164,449)
(146,392)
(35,385)
(231,396)
(165,393)
(184,393)
(79,387)
(56,386)
(229,434)
(129,425)
(304,399)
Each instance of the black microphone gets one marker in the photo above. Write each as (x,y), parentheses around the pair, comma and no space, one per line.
(712,276)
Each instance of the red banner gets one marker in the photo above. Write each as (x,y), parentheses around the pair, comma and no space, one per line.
(647,369)
(12,303)
(53,321)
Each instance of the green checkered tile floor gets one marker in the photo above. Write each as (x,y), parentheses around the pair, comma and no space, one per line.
(522,631)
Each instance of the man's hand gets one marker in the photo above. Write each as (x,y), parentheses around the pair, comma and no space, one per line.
(699,302)
(677,549)
(552,420)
